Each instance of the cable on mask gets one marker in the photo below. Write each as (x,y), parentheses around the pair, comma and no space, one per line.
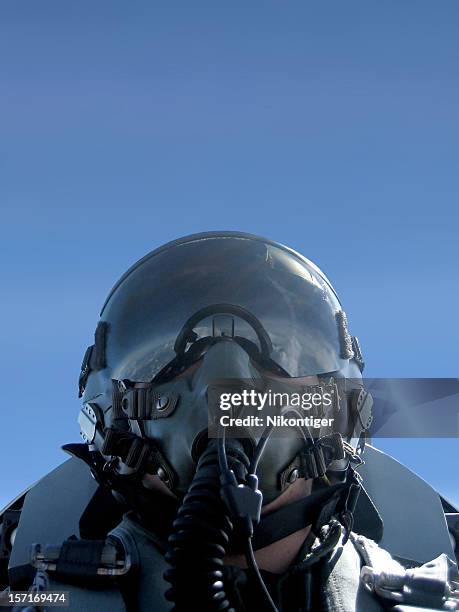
(244,502)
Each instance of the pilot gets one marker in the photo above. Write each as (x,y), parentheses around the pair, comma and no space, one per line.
(238,518)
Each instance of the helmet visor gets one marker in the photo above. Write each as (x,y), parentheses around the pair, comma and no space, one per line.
(282,292)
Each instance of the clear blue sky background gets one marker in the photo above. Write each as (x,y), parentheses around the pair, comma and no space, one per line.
(329,126)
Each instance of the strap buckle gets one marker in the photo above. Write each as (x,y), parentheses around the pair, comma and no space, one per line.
(432,584)
(314,461)
(81,558)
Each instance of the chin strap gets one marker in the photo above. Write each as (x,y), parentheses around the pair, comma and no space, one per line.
(317,509)
(293,517)
(346,511)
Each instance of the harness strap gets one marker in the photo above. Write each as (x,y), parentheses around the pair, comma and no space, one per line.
(80,557)
(81,560)
(295,516)
(316,510)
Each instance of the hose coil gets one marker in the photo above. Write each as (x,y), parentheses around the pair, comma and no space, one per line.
(200,537)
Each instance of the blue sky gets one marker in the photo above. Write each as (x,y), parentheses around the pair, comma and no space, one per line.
(332,127)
